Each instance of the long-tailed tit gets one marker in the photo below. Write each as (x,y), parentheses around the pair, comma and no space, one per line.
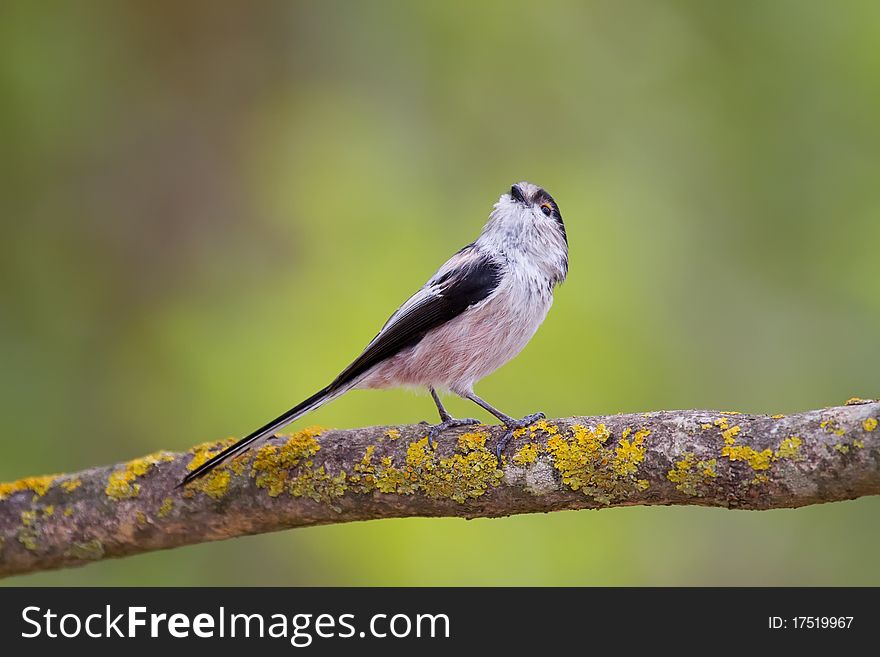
(475,314)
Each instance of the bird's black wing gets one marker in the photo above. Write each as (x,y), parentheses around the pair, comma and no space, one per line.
(465,279)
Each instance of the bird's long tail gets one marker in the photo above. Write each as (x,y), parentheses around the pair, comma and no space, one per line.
(318,399)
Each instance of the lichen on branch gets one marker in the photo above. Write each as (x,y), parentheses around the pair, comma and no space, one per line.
(317,476)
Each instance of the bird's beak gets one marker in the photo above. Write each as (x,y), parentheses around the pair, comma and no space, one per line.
(517,195)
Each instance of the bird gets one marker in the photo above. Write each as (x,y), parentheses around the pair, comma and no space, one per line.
(476,313)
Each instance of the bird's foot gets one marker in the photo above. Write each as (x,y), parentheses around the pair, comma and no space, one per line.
(449,423)
(511,428)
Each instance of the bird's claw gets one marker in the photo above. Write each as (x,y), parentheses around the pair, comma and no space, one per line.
(449,423)
(511,428)
(530,419)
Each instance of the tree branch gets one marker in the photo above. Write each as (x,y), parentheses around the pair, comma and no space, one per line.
(312,477)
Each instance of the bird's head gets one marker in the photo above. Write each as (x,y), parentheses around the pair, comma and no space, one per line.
(526,221)
(535,203)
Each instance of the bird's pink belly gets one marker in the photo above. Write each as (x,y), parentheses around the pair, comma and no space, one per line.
(460,352)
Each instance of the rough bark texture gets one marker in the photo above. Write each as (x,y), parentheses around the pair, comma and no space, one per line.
(317,477)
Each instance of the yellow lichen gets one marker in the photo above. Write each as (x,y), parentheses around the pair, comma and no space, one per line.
(788,448)
(317,484)
(680,474)
(842,448)
(27,534)
(71,485)
(121,483)
(535,427)
(384,477)
(855,401)
(546,427)
(214,484)
(309,432)
(392,434)
(468,473)
(520,432)
(390,479)
(238,463)
(858,444)
(28,538)
(417,455)
(204,451)
(709,468)
(269,467)
(119,486)
(526,454)
(165,509)
(778,416)
(588,464)
(38,485)
(363,477)
(628,454)
(690,475)
(870,424)
(141,518)
(472,441)
(756,460)
(68,511)
(272,464)
(832,427)
(289,468)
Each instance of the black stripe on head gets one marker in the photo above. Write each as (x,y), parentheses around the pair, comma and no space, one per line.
(541,196)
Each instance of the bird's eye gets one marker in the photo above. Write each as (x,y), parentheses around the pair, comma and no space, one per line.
(546,209)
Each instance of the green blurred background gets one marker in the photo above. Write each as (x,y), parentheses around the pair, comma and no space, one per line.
(208,208)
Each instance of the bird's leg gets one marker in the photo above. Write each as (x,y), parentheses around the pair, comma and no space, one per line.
(446,420)
(511,424)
